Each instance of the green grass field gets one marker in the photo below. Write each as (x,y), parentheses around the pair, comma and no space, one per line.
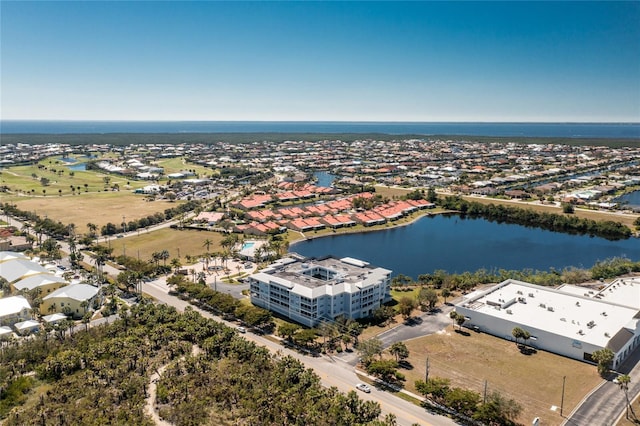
(91,200)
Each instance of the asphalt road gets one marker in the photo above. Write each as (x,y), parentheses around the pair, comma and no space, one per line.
(603,406)
(607,403)
(331,370)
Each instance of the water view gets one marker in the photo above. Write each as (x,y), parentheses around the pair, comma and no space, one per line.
(631,199)
(457,245)
(324,179)
(568,130)
(78,167)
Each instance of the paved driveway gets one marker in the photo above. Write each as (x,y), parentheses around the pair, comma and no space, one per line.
(423,325)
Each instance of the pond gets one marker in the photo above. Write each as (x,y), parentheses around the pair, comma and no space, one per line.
(457,245)
(78,167)
(324,179)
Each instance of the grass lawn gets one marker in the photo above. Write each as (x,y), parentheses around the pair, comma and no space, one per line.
(534,381)
(177,164)
(99,208)
(186,242)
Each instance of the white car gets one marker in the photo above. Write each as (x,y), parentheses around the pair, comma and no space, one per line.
(242,330)
(363,387)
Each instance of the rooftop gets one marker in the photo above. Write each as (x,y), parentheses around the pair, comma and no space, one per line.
(559,311)
(310,275)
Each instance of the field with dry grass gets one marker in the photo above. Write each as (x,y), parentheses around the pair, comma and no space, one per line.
(179,243)
(471,360)
(99,208)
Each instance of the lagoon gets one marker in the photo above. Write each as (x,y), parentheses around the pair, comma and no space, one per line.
(456,245)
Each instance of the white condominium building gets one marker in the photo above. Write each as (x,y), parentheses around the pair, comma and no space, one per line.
(310,291)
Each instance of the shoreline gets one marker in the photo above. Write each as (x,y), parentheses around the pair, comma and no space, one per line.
(304,237)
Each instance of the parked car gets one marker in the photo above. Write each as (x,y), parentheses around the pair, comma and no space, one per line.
(364,388)
(241,330)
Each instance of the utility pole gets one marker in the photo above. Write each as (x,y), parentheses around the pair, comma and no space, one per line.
(564,378)
(484,398)
(426,374)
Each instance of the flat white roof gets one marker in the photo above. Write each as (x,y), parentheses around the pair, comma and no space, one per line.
(622,291)
(300,276)
(590,320)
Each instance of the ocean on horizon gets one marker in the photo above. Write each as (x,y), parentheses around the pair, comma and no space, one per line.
(561,130)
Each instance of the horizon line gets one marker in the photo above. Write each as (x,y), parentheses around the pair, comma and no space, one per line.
(313,121)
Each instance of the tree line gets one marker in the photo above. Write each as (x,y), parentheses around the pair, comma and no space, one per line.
(550,221)
(101,376)
(40,225)
(442,280)
(150,220)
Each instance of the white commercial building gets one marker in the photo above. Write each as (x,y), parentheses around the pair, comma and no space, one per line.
(570,320)
(310,291)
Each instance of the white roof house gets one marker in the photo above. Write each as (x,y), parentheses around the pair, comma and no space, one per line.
(15,269)
(568,320)
(10,255)
(13,309)
(54,318)
(27,326)
(39,280)
(78,292)
(5,332)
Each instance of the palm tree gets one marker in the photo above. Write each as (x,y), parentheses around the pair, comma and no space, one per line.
(164,255)
(258,253)
(623,382)
(207,243)
(155,258)
(175,264)
(99,259)
(93,228)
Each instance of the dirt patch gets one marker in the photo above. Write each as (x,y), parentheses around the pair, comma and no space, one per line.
(477,361)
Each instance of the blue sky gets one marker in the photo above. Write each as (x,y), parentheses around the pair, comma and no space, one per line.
(343,61)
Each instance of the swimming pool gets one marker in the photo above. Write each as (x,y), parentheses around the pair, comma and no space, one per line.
(247,245)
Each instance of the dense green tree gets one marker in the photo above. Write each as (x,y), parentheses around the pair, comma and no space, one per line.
(369,349)
(604,358)
(399,350)
(435,388)
(384,369)
(428,298)
(406,306)
(498,410)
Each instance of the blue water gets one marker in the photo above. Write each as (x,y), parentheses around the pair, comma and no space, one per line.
(324,179)
(631,199)
(247,245)
(571,130)
(78,167)
(457,245)
(68,159)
